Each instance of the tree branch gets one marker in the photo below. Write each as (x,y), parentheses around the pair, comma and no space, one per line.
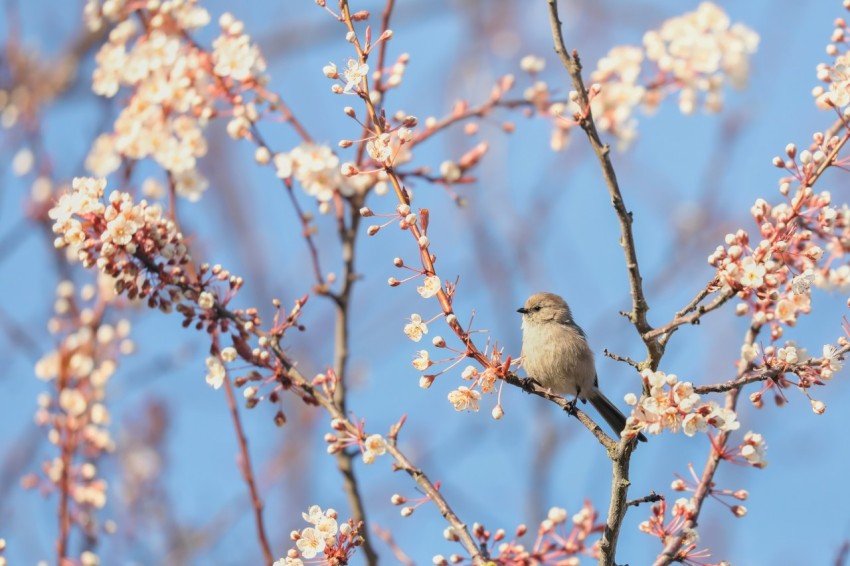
(247,471)
(585,119)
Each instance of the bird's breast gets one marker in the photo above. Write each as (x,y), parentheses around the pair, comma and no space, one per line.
(558,357)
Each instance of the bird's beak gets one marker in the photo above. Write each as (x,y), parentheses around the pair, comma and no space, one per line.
(522,310)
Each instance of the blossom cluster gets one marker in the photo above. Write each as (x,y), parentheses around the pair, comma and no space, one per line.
(131,242)
(791,358)
(370,446)
(74,410)
(753,450)
(467,397)
(674,405)
(803,243)
(837,74)
(693,54)
(316,168)
(144,256)
(698,51)
(684,509)
(234,56)
(325,538)
(31,80)
(618,92)
(722,495)
(774,275)
(164,116)
(175,86)
(560,539)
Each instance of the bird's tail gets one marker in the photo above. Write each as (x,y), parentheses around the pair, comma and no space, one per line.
(610,413)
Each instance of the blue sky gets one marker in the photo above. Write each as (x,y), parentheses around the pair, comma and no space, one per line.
(536,220)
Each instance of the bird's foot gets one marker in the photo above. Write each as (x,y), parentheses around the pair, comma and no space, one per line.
(570,407)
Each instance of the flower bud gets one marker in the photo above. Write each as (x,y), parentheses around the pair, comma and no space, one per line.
(262,155)
(498,412)
(739,510)
(521,530)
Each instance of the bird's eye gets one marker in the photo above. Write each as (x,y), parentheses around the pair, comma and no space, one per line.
(537,308)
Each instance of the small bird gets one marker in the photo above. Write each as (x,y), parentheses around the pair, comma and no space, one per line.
(556,355)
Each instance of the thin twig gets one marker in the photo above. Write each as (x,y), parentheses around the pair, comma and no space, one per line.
(843,553)
(619,358)
(386,536)
(382,49)
(693,317)
(651,498)
(247,471)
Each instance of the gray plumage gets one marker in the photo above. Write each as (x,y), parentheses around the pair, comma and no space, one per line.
(556,355)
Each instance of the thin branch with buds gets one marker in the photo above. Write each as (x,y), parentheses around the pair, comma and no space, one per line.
(585,119)
(766,374)
(477,554)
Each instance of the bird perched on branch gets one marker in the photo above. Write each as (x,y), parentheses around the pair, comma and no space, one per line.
(556,355)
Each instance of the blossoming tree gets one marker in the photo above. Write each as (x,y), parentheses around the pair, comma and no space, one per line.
(341,172)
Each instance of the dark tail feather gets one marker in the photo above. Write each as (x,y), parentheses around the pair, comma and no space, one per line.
(610,413)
